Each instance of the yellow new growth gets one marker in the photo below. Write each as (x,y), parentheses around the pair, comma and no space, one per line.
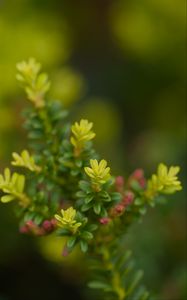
(165,181)
(13,185)
(68,219)
(99,172)
(82,133)
(25,160)
(36,84)
(29,70)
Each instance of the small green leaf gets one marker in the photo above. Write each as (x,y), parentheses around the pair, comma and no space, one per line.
(97,208)
(38,219)
(85,186)
(74,172)
(134,282)
(108,199)
(103,212)
(103,194)
(59,115)
(109,183)
(127,268)
(92,227)
(78,163)
(29,216)
(135,186)
(123,259)
(88,199)
(62,232)
(87,235)
(71,242)
(80,194)
(99,285)
(116,196)
(86,207)
(84,246)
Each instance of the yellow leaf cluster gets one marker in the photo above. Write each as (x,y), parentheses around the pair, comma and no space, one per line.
(82,133)
(25,160)
(67,220)
(36,84)
(98,171)
(13,186)
(165,181)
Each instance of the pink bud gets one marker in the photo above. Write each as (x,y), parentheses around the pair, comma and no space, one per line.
(47,226)
(34,228)
(30,224)
(119,208)
(138,174)
(142,182)
(119,182)
(54,222)
(128,198)
(104,220)
(24,229)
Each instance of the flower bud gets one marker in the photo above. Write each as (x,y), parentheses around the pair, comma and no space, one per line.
(128,198)
(117,210)
(119,183)
(47,226)
(24,229)
(34,228)
(104,220)
(138,175)
(54,222)
(30,224)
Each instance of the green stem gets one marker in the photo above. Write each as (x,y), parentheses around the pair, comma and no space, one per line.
(116,279)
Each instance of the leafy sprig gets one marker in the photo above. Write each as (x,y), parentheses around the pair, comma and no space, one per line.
(13,186)
(68,190)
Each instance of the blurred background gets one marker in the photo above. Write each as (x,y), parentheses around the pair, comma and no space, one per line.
(121,64)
